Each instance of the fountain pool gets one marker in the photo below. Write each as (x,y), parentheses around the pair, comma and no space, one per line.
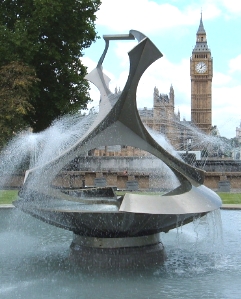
(203,262)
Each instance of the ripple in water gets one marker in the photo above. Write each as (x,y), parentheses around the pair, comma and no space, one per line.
(203,262)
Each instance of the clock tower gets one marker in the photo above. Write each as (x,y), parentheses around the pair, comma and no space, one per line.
(201,71)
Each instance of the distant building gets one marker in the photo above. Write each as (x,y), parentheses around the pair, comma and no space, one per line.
(162,117)
(238,133)
(201,71)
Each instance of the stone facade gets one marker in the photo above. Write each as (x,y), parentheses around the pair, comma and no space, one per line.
(201,71)
(162,118)
(119,179)
(238,133)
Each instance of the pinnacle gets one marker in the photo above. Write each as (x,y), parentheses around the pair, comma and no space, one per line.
(201,29)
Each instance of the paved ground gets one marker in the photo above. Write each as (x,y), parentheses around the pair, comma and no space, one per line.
(6,206)
(231,207)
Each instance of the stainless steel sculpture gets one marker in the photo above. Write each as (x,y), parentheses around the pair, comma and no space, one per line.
(99,218)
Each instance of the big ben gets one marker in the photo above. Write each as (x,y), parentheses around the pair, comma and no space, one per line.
(201,71)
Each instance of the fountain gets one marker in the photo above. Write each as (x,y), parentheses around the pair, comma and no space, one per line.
(203,262)
(116,230)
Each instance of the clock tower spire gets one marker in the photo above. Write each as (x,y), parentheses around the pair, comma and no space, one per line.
(201,72)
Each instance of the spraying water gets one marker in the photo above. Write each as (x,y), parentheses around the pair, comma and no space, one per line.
(29,150)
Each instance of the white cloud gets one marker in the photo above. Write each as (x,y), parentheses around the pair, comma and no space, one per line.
(89,63)
(221,79)
(226,100)
(161,74)
(232,6)
(227,109)
(235,64)
(149,16)
(121,51)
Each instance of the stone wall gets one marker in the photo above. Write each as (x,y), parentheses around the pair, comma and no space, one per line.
(76,179)
(212,179)
(150,173)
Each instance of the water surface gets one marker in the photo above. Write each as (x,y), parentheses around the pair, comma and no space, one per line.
(203,262)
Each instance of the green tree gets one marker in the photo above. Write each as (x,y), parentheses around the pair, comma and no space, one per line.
(50,36)
(16,81)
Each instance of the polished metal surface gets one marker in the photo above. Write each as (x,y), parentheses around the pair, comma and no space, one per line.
(119,123)
(116,242)
(100,223)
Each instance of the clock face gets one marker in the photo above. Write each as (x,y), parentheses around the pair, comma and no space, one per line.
(201,67)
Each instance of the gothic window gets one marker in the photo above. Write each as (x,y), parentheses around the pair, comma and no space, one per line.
(163,129)
(163,114)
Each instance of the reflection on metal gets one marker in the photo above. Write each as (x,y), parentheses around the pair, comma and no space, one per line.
(116,242)
(118,123)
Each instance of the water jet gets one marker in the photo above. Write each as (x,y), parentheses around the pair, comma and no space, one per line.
(105,225)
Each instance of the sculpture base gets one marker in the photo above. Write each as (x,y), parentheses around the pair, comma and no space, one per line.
(118,253)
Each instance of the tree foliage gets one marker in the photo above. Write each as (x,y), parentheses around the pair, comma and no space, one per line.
(49,36)
(16,81)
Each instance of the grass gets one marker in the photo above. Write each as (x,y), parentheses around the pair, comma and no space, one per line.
(230,198)
(8,196)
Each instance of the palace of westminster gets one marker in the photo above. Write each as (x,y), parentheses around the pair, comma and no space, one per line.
(162,117)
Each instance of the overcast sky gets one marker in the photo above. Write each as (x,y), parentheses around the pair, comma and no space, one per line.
(172,26)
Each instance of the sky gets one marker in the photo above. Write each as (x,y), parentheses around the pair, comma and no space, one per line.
(172,26)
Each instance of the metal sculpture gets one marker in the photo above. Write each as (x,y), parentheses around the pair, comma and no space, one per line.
(134,220)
